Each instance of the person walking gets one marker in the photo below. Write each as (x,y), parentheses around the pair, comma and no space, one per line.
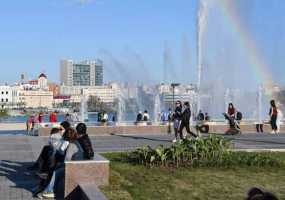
(273,113)
(177,115)
(185,120)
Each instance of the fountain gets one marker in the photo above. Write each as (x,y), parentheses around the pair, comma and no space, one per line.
(201,25)
(83,107)
(227,99)
(259,109)
(121,107)
(157,108)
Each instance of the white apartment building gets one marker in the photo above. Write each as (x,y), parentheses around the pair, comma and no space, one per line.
(106,94)
(5,96)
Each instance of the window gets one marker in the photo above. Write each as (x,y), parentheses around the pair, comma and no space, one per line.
(2,100)
(2,92)
(6,100)
(7,92)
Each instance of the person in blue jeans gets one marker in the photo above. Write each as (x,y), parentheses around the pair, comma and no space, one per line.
(74,151)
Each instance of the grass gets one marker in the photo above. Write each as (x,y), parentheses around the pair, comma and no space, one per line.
(128,181)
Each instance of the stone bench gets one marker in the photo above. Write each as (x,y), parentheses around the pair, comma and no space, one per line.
(82,175)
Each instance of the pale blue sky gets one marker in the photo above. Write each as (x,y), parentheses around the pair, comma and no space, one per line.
(129,35)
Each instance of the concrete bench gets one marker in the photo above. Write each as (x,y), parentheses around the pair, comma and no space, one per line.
(85,174)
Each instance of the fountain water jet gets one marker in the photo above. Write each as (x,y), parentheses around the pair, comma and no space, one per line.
(121,110)
(157,108)
(201,26)
(83,107)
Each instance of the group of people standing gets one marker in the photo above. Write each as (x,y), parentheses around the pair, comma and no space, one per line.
(38,119)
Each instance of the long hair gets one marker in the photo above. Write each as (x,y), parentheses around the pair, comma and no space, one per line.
(272,103)
(231,105)
(70,135)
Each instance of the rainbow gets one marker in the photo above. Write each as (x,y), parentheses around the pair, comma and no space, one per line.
(262,73)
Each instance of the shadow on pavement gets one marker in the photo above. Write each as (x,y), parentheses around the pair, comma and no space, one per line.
(15,172)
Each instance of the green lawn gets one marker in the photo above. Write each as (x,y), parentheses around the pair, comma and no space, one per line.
(129,181)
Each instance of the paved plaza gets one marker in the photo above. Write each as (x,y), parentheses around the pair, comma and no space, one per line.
(17,151)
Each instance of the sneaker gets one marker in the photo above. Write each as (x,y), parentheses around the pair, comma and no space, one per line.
(272,132)
(174,141)
(48,195)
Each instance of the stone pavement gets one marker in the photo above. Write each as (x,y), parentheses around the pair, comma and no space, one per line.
(17,151)
(129,142)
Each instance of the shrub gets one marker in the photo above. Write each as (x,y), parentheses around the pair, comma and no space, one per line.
(213,151)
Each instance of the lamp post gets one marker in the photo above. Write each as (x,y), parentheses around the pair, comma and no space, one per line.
(173,85)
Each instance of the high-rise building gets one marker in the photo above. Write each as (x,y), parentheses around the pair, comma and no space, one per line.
(86,73)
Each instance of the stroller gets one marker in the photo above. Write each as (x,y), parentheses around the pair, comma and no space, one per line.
(234,127)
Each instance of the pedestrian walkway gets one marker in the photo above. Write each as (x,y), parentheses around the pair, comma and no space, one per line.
(16,154)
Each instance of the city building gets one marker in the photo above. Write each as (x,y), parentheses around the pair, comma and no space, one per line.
(54,88)
(181,92)
(106,93)
(5,96)
(36,99)
(86,73)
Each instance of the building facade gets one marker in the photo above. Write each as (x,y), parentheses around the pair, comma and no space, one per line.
(5,96)
(86,73)
(36,98)
(106,94)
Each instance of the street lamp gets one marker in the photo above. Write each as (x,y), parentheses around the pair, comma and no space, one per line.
(173,85)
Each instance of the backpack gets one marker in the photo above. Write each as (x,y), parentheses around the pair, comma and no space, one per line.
(239,116)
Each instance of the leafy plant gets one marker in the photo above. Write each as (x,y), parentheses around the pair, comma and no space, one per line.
(212,151)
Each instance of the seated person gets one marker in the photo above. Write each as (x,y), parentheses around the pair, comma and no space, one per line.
(48,149)
(74,151)
(145,116)
(84,141)
(139,117)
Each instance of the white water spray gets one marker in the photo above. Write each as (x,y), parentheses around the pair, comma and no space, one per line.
(157,108)
(201,27)
(83,109)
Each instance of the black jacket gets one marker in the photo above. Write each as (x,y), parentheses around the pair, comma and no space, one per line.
(186,115)
(177,113)
(86,146)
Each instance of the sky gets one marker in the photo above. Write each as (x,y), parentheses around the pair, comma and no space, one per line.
(135,39)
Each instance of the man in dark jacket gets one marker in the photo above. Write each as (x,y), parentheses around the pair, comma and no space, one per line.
(84,141)
(185,122)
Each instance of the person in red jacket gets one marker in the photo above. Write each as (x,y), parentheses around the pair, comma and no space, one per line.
(53,117)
